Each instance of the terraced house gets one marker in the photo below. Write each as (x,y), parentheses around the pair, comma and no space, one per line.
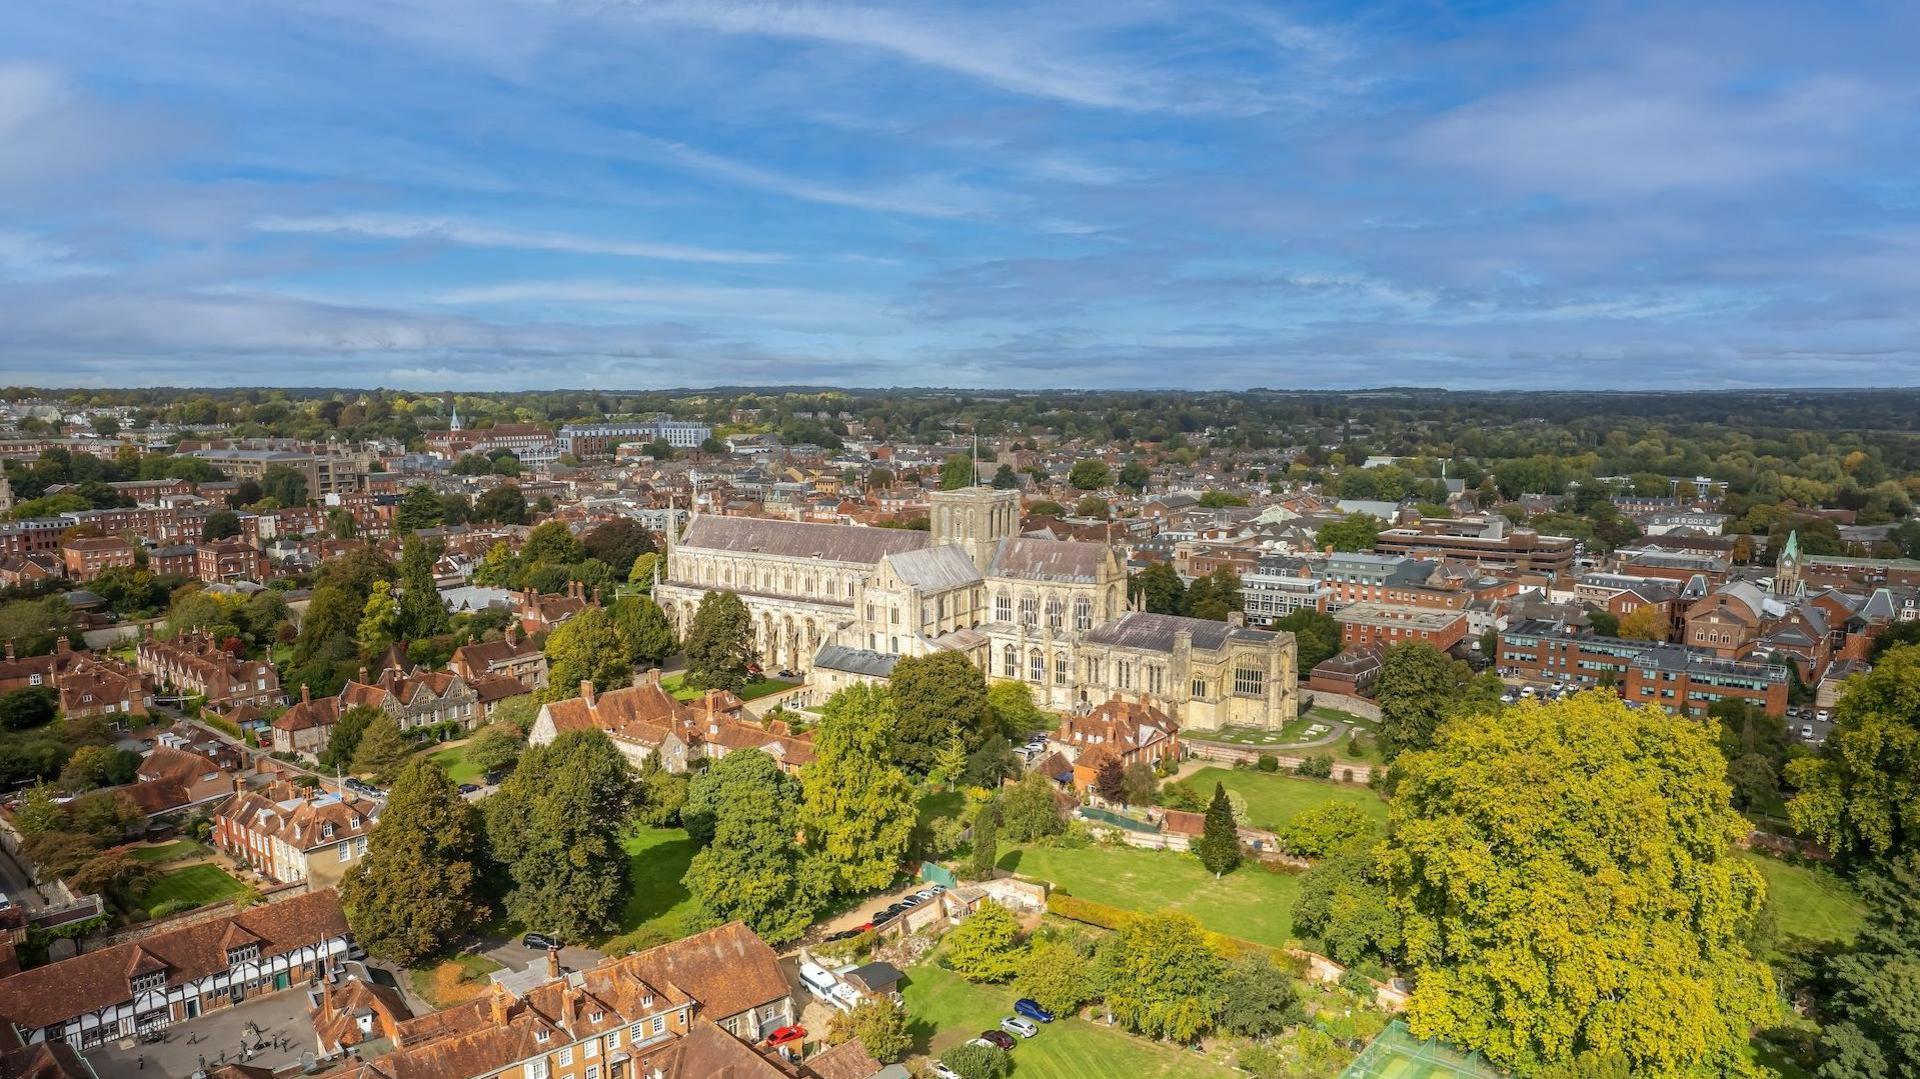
(178,975)
(195,664)
(693,1009)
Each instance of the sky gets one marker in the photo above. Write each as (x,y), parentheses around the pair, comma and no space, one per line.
(496,194)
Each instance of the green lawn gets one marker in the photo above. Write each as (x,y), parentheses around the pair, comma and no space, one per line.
(656,860)
(1812,903)
(196,884)
(1250,903)
(944,1011)
(459,768)
(1273,798)
(753,690)
(178,850)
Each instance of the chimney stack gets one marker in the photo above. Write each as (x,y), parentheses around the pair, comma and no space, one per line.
(586,691)
(653,676)
(306,694)
(553,962)
(9,647)
(363,674)
(61,646)
(499,1005)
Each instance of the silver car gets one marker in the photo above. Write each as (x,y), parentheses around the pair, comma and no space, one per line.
(1013,1024)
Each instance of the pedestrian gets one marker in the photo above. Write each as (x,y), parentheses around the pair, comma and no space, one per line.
(142,1060)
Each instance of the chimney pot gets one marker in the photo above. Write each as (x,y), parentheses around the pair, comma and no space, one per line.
(586,691)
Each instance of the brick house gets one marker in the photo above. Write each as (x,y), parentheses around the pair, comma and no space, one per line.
(306,727)
(1726,619)
(178,975)
(693,1009)
(644,720)
(513,655)
(289,834)
(230,559)
(1373,623)
(1129,729)
(195,663)
(87,556)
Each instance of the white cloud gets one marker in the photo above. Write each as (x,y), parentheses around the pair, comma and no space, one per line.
(476,234)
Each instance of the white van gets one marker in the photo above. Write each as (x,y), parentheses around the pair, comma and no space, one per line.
(818,982)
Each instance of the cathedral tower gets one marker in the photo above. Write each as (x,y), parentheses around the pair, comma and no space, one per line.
(976,518)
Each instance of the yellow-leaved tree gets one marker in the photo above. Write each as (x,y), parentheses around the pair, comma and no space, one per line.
(1566,880)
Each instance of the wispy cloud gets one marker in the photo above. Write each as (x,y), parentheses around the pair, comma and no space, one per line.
(1008,56)
(927,196)
(477,234)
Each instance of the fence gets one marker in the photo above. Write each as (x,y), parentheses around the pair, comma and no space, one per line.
(1227,753)
(1397,1054)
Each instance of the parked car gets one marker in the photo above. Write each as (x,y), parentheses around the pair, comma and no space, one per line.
(999,1039)
(1823,715)
(911,901)
(844,934)
(541,942)
(469,788)
(929,893)
(882,917)
(941,1071)
(786,1036)
(1013,1024)
(1031,1008)
(1806,730)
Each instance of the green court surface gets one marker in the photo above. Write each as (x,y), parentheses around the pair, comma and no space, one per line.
(1397,1054)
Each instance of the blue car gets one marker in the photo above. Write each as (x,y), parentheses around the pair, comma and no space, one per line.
(1032,1010)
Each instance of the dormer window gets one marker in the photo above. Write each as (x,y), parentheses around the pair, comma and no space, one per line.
(244,953)
(540,1036)
(597,1016)
(150,981)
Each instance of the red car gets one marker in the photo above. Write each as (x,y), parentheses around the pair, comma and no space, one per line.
(786,1036)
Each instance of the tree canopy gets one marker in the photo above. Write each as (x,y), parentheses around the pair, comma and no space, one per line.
(859,809)
(1861,795)
(556,826)
(1608,910)
(418,888)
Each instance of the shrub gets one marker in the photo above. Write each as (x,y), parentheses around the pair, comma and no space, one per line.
(1319,766)
(1269,763)
(1318,832)
(970,1061)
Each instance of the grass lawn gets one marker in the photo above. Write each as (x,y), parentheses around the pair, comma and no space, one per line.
(196,884)
(459,768)
(944,1010)
(753,690)
(656,860)
(1250,903)
(1273,798)
(458,979)
(1813,903)
(175,851)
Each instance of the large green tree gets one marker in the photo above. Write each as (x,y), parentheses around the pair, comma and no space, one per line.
(1875,1004)
(935,697)
(382,749)
(1344,911)
(588,647)
(423,613)
(1566,880)
(858,809)
(720,643)
(644,626)
(1354,532)
(1316,635)
(284,485)
(985,947)
(419,508)
(1419,688)
(1161,978)
(752,869)
(956,472)
(556,828)
(618,542)
(1090,474)
(1219,844)
(1029,812)
(418,888)
(1861,795)
(1158,589)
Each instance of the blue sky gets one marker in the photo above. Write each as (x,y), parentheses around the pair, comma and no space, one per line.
(483,194)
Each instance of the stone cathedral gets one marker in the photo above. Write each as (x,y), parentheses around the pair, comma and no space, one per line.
(1050,613)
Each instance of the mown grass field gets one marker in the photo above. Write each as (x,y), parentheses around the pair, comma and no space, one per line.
(196,884)
(1812,903)
(456,763)
(656,860)
(1273,798)
(178,850)
(946,1010)
(1250,903)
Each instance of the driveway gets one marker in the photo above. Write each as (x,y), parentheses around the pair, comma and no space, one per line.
(516,956)
(270,1032)
(866,909)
